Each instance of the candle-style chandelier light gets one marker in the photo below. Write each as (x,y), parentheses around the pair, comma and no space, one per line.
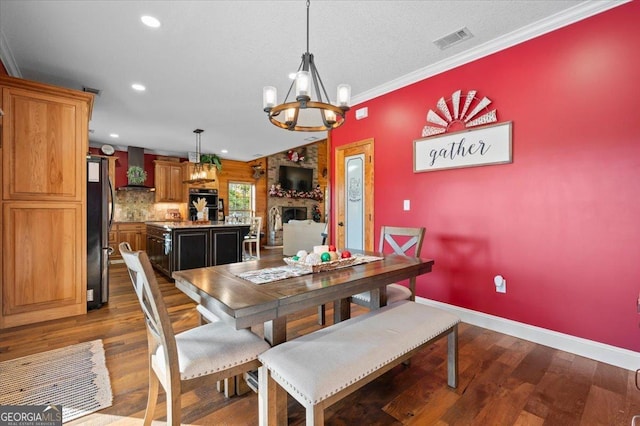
(305,114)
(199,174)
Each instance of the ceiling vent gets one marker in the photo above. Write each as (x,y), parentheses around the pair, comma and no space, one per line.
(96,92)
(453,38)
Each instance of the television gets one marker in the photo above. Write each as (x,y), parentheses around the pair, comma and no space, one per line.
(295,178)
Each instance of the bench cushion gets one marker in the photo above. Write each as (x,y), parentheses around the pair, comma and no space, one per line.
(317,365)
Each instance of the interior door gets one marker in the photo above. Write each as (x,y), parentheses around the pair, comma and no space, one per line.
(354,195)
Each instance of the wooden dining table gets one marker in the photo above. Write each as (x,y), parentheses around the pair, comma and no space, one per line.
(243,303)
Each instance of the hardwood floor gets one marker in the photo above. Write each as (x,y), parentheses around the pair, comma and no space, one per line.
(503,380)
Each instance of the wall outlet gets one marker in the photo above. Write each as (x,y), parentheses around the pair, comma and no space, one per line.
(500,283)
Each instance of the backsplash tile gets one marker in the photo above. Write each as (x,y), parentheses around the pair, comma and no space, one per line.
(140,206)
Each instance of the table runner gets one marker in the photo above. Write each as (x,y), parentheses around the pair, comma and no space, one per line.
(267,275)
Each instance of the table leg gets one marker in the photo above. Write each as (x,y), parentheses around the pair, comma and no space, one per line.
(378,297)
(275,331)
(341,310)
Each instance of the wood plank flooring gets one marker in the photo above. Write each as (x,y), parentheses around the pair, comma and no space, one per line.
(503,380)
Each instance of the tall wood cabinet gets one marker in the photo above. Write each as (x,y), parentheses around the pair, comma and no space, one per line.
(44,141)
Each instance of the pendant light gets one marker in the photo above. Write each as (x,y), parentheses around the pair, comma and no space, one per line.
(199,174)
(305,114)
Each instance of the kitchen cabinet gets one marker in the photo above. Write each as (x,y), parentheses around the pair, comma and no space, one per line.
(159,248)
(191,247)
(175,246)
(44,134)
(134,233)
(168,182)
(44,141)
(113,241)
(226,245)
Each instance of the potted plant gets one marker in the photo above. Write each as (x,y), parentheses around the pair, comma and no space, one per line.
(136,175)
(211,160)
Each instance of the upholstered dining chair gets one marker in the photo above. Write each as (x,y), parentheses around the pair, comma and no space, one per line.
(391,235)
(202,355)
(253,237)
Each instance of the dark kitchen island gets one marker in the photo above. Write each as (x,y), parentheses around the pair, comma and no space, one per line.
(175,246)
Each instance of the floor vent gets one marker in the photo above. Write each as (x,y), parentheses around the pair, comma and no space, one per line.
(453,38)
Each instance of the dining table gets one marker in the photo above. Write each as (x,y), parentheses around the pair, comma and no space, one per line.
(229,292)
(243,303)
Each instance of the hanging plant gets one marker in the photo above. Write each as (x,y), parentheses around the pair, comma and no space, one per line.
(136,175)
(211,160)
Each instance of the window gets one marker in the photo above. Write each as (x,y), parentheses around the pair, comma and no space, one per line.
(242,199)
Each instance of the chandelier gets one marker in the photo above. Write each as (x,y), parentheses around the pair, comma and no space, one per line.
(199,174)
(304,114)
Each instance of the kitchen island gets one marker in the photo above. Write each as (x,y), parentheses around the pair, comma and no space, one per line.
(175,246)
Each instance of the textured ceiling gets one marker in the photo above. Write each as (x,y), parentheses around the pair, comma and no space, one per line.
(206,65)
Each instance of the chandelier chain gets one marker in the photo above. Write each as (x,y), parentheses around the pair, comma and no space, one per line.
(308,3)
(307,80)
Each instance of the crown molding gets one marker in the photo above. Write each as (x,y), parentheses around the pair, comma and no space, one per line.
(528,32)
(7,58)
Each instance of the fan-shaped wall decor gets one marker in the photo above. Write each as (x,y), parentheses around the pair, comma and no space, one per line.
(471,107)
(478,145)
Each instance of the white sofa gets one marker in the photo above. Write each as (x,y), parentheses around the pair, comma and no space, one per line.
(301,235)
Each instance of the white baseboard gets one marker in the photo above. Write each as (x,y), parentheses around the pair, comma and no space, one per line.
(608,354)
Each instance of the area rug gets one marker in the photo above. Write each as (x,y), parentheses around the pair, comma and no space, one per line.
(75,377)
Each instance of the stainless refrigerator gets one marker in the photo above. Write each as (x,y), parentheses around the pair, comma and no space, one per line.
(100,206)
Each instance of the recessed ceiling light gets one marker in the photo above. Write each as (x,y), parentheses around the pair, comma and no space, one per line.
(114,135)
(138,87)
(292,76)
(150,21)
(224,151)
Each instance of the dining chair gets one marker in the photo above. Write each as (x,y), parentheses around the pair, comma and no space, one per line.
(395,292)
(394,236)
(253,237)
(202,355)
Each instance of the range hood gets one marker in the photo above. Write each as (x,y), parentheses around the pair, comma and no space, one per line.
(136,158)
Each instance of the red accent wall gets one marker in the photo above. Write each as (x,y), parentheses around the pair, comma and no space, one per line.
(561,222)
(122,164)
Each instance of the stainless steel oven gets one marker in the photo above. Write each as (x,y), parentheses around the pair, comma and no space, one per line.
(211,195)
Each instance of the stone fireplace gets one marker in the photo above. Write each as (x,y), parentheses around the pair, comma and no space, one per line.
(291,208)
(290,212)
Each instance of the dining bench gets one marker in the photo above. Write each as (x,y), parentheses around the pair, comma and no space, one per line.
(322,367)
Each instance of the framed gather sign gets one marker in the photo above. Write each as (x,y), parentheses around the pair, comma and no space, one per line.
(467,148)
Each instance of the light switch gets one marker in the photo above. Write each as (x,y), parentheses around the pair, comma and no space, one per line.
(407,205)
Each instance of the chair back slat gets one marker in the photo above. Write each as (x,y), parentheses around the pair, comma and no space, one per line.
(390,234)
(152,304)
(256,226)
